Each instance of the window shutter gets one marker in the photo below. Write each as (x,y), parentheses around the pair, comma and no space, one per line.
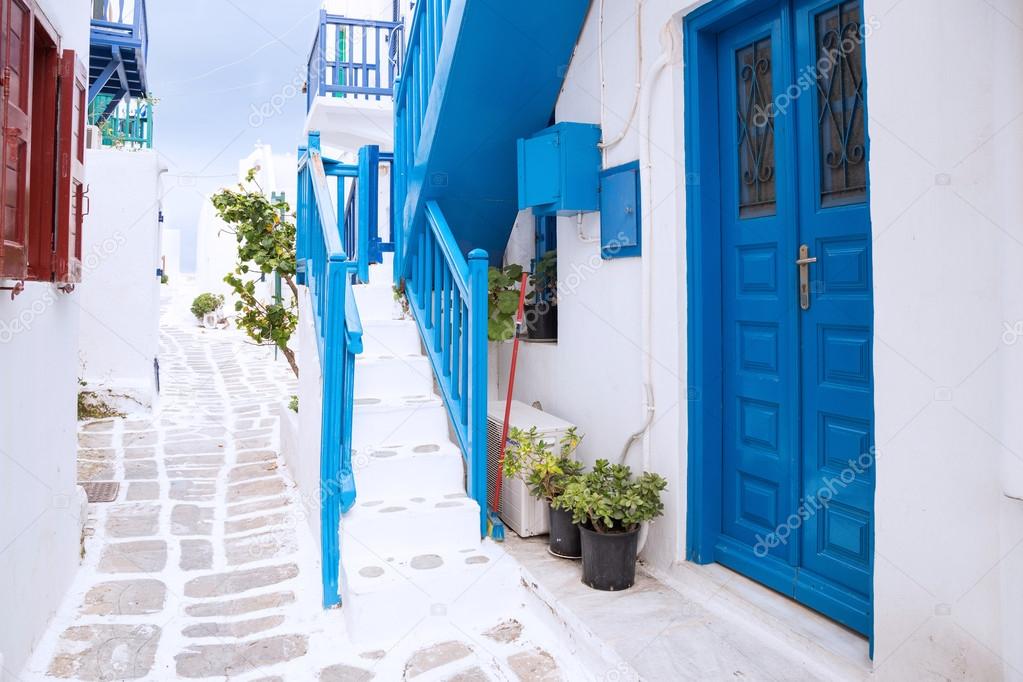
(74,88)
(16,74)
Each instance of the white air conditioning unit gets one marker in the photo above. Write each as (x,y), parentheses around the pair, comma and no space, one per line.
(518,509)
(93,137)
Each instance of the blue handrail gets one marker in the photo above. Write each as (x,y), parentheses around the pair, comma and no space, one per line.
(327,271)
(448,299)
(411,98)
(354,57)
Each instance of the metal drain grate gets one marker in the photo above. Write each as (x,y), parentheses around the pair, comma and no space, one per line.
(102,491)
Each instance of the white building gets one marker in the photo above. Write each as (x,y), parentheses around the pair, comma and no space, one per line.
(216,245)
(40,508)
(845,439)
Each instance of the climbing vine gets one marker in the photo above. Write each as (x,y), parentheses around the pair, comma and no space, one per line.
(266,244)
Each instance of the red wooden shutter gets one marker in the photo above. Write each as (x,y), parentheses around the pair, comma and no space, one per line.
(74,89)
(16,74)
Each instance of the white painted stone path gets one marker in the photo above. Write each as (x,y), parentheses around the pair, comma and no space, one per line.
(204,567)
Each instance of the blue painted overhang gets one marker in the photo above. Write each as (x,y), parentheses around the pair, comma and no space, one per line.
(117,56)
(501,68)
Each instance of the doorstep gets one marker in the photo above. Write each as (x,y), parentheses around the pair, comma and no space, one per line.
(693,622)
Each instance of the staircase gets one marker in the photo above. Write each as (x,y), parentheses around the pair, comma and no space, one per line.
(406,541)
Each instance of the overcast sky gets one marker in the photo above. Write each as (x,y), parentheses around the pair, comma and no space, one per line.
(227,74)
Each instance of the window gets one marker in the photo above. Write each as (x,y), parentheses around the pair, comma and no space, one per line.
(44,99)
(542,316)
(756,130)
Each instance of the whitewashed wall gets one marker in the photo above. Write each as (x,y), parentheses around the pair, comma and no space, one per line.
(216,245)
(945,175)
(40,510)
(120,256)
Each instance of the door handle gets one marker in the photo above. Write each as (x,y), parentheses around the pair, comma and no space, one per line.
(803,262)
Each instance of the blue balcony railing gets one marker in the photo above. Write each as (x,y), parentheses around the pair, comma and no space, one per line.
(354,58)
(327,271)
(129,124)
(119,47)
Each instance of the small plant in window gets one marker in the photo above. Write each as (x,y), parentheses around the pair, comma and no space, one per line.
(504,301)
(542,313)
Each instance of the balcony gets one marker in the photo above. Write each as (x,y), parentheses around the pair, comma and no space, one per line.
(352,70)
(128,125)
(119,43)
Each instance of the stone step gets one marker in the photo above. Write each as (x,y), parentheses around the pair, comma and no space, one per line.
(401,526)
(375,302)
(407,376)
(394,421)
(419,469)
(382,273)
(390,337)
(386,597)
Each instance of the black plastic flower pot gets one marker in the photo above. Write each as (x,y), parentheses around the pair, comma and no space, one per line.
(609,559)
(564,539)
(542,322)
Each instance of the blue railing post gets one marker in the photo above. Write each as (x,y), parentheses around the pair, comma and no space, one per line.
(321,56)
(369,238)
(477,475)
(302,220)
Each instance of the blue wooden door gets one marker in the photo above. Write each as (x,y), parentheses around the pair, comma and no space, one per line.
(797,378)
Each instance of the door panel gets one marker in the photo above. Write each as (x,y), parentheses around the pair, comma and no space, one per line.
(837,329)
(797,472)
(758,344)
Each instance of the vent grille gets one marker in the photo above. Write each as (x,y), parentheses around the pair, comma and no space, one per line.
(493,460)
(103,491)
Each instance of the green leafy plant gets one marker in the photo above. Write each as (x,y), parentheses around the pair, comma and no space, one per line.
(401,298)
(207,303)
(503,285)
(266,244)
(610,500)
(293,404)
(545,472)
(164,279)
(544,279)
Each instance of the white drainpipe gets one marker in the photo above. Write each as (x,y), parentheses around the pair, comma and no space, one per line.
(666,58)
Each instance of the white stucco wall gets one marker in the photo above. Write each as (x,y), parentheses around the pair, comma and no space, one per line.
(40,525)
(301,450)
(945,172)
(120,256)
(216,244)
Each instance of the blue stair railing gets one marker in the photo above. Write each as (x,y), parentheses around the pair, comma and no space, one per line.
(327,270)
(448,298)
(411,96)
(354,58)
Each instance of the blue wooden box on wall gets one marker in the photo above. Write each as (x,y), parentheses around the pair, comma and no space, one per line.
(620,219)
(559,170)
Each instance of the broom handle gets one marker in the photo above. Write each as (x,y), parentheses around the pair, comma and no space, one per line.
(496,505)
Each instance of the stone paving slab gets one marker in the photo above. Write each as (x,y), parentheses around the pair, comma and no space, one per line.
(209,660)
(106,652)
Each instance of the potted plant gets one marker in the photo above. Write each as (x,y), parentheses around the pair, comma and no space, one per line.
(546,473)
(542,310)
(609,505)
(207,309)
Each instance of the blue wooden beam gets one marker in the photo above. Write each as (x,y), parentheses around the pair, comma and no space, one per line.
(101,81)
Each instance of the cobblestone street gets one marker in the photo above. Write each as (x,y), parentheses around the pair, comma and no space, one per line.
(204,566)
